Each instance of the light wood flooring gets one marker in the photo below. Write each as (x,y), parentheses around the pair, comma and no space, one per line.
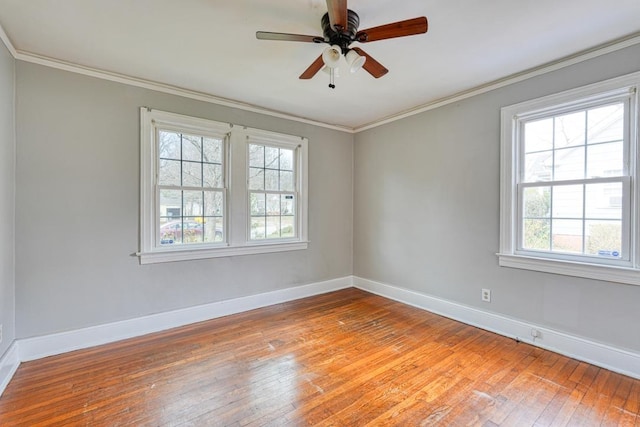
(347,358)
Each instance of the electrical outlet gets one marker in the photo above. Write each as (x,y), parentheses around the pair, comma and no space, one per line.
(486,295)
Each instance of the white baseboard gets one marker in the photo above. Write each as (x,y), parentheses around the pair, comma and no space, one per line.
(48,345)
(9,363)
(614,359)
(617,360)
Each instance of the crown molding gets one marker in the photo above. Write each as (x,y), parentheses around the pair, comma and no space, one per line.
(7,42)
(567,61)
(165,88)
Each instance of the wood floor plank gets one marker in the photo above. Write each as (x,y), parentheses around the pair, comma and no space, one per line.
(347,358)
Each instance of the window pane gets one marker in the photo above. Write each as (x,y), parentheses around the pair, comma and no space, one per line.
(212,175)
(569,130)
(537,202)
(538,135)
(213,230)
(538,166)
(271,157)
(569,164)
(192,230)
(258,205)
(213,203)
(537,234)
(171,203)
(287,227)
(169,173)
(191,174)
(256,156)
(605,124)
(256,179)
(169,145)
(273,204)
(271,171)
(286,181)
(287,205)
(170,231)
(271,180)
(273,227)
(604,238)
(212,150)
(567,235)
(605,160)
(604,201)
(567,201)
(286,159)
(191,148)
(193,204)
(258,227)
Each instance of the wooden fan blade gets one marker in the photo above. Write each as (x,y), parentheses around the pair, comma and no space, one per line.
(266,35)
(409,27)
(337,10)
(372,66)
(313,68)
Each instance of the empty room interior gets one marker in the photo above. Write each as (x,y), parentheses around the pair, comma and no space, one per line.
(319,212)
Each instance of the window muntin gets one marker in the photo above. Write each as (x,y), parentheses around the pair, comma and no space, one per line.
(572,181)
(272,192)
(191,191)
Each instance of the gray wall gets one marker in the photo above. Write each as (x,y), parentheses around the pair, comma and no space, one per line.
(427,213)
(77,208)
(7,194)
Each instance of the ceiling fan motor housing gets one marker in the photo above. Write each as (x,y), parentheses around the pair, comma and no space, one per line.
(341,37)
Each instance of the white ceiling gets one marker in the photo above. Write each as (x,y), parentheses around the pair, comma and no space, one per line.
(209,46)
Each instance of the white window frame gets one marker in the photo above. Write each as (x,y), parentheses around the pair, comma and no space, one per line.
(236,199)
(626,271)
(267,139)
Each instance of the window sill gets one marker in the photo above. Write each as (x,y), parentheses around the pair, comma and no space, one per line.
(626,275)
(187,254)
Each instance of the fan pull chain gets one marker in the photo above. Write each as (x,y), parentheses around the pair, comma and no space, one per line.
(332,78)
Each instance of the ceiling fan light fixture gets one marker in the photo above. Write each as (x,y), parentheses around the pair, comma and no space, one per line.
(355,61)
(327,70)
(331,56)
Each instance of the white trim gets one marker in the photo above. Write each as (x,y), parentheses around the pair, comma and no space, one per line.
(200,96)
(607,273)
(48,345)
(226,251)
(615,359)
(7,42)
(9,363)
(576,58)
(166,88)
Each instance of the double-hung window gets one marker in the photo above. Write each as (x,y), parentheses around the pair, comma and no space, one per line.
(211,189)
(569,196)
(272,191)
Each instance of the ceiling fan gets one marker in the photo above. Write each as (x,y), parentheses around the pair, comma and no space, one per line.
(340,29)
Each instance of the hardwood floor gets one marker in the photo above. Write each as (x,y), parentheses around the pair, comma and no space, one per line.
(347,358)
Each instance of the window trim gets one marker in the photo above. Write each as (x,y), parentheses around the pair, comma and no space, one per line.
(508,255)
(236,195)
